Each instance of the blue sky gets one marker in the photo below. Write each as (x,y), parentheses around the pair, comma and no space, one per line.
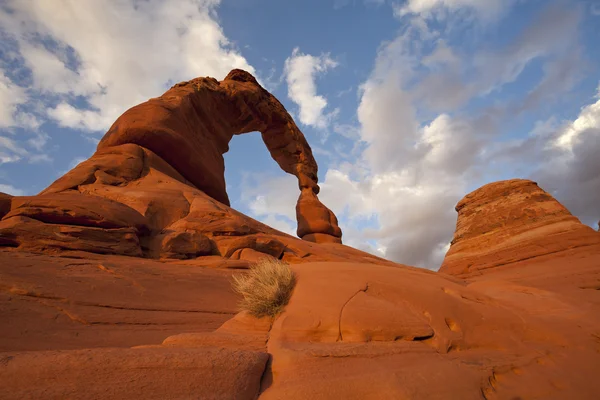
(408,105)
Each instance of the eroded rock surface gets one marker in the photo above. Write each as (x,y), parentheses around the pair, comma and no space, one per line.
(83,300)
(509,221)
(190,127)
(151,373)
(5,201)
(369,331)
(155,186)
(316,223)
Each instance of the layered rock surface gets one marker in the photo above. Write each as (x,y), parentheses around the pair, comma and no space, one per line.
(509,221)
(155,186)
(351,330)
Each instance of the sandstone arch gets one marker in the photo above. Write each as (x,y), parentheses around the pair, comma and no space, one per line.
(191,125)
(161,163)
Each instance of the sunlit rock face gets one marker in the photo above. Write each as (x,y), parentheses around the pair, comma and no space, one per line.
(509,221)
(156,188)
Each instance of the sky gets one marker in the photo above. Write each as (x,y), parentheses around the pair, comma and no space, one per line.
(408,105)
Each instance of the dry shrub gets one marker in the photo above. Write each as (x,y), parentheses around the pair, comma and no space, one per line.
(266,288)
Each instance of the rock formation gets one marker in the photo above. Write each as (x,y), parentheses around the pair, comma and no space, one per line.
(156,188)
(505,222)
(5,200)
(116,280)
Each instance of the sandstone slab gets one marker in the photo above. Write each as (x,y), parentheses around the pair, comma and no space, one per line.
(151,373)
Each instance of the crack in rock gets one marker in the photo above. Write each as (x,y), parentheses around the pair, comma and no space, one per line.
(340,338)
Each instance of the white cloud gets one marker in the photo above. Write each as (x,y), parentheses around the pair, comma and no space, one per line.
(387,120)
(10,150)
(50,74)
(271,199)
(569,161)
(422,156)
(586,123)
(442,56)
(11,96)
(281,224)
(301,71)
(412,203)
(486,8)
(11,190)
(38,142)
(115,53)
(71,117)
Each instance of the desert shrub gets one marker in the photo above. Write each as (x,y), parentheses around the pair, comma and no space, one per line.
(266,288)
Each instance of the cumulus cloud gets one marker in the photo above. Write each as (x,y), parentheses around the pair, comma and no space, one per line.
(563,158)
(569,162)
(581,129)
(301,71)
(413,204)
(388,123)
(271,199)
(425,150)
(420,147)
(100,58)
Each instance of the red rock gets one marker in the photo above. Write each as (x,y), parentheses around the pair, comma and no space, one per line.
(242,332)
(350,330)
(261,243)
(316,223)
(160,171)
(73,221)
(32,235)
(112,166)
(186,245)
(321,238)
(159,202)
(509,221)
(73,208)
(83,300)
(190,127)
(151,373)
(252,256)
(5,200)
(356,331)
